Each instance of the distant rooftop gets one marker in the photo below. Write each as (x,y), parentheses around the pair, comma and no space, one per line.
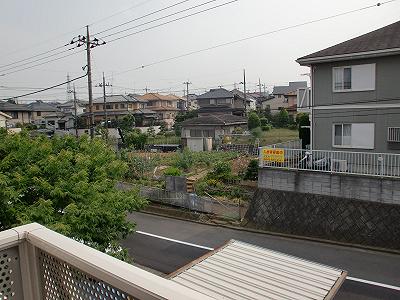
(285,89)
(118,99)
(215,94)
(212,120)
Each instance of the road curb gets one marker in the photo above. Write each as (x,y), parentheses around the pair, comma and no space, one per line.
(277,234)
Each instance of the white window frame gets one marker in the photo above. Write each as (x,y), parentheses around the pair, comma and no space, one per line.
(333,79)
(353,82)
(351,146)
(333,136)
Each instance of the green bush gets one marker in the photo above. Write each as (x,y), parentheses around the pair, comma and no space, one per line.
(253,121)
(292,126)
(185,160)
(252,170)
(172,171)
(264,122)
(266,127)
(136,140)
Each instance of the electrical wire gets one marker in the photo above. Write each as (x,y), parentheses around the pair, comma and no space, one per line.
(40,64)
(158,19)
(173,20)
(253,37)
(141,17)
(39,59)
(46,89)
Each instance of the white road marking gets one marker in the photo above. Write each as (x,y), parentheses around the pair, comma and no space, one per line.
(383,285)
(387,286)
(175,241)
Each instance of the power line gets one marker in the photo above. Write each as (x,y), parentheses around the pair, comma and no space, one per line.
(254,37)
(45,89)
(39,59)
(160,18)
(43,63)
(174,20)
(142,17)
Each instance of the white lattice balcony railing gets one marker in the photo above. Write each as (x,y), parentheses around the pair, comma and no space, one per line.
(38,263)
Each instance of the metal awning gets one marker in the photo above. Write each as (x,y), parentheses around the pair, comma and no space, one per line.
(239,270)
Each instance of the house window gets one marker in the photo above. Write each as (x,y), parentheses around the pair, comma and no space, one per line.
(342,135)
(354,78)
(116,106)
(195,133)
(213,101)
(354,135)
(39,113)
(13,114)
(394,134)
(342,78)
(108,106)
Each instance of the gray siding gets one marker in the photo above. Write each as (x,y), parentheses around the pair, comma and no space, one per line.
(387,82)
(387,91)
(382,118)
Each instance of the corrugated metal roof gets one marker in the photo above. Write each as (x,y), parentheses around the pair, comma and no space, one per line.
(242,271)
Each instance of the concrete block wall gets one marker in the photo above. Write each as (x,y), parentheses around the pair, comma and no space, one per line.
(367,188)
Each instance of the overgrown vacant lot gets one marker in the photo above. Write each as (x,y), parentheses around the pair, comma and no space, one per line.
(273,136)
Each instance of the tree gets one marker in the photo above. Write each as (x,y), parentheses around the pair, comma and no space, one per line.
(253,121)
(283,118)
(136,140)
(303,123)
(68,185)
(127,123)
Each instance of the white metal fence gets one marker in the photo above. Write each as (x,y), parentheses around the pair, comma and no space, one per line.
(360,163)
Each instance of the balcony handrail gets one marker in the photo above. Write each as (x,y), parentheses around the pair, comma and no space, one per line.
(122,276)
(347,162)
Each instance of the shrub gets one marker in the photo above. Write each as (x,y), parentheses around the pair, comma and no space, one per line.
(282,119)
(292,126)
(172,171)
(253,121)
(252,170)
(266,127)
(256,133)
(136,140)
(185,160)
(264,121)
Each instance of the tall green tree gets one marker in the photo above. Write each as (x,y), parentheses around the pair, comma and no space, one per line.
(68,185)
(254,121)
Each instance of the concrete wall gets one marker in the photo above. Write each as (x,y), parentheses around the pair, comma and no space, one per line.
(382,190)
(326,217)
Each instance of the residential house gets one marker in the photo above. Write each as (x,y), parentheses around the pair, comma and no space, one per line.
(282,95)
(166,107)
(3,119)
(38,110)
(20,113)
(192,102)
(118,106)
(60,120)
(221,101)
(69,107)
(355,103)
(251,102)
(196,131)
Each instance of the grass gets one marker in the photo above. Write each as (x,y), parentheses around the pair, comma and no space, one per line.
(278,135)
(273,136)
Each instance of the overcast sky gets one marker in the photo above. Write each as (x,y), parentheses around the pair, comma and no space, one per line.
(30,27)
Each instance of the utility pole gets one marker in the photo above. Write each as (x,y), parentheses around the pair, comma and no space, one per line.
(89,74)
(259,85)
(104,85)
(68,88)
(80,41)
(75,114)
(187,94)
(244,89)
(146,89)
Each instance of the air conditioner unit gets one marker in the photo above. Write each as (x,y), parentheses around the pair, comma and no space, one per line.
(338,165)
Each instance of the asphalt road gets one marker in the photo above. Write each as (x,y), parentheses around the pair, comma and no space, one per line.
(167,256)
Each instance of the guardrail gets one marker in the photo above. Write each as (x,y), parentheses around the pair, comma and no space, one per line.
(359,163)
(38,263)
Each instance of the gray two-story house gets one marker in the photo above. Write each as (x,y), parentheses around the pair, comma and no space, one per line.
(355,93)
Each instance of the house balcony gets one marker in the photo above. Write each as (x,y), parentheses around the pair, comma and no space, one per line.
(38,263)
